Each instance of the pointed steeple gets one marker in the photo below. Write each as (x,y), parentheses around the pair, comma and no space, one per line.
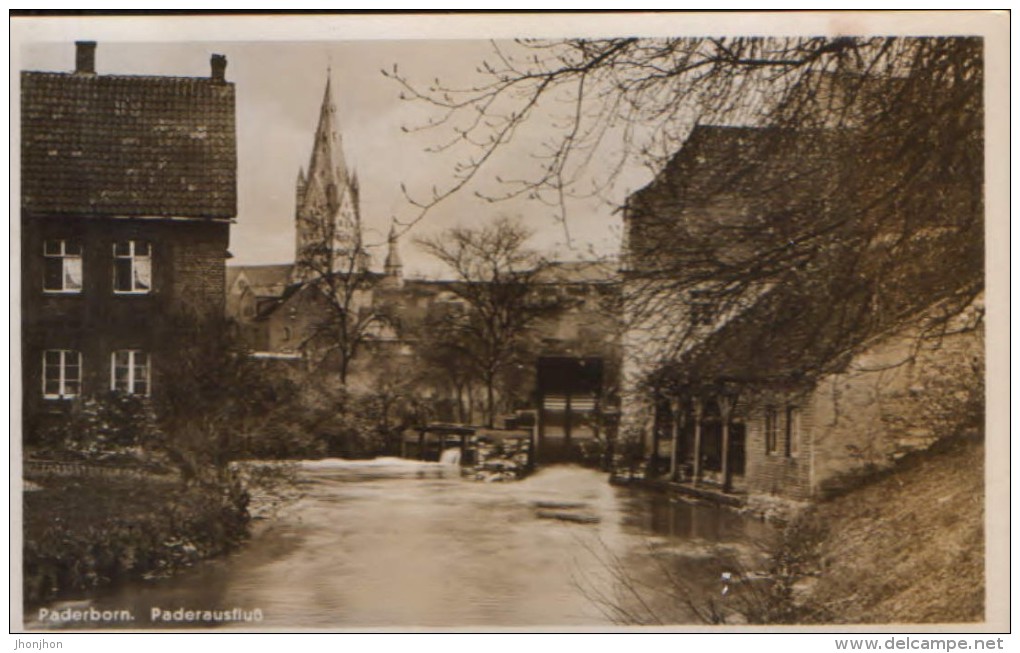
(327,195)
(327,170)
(394,268)
(299,187)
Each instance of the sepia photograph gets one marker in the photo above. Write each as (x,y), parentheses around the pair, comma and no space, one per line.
(510,323)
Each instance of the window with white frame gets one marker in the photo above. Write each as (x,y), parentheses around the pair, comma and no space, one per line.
(62,269)
(61,373)
(132,267)
(130,372)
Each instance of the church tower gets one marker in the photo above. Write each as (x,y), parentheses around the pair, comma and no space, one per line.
(394,269)
(327,213)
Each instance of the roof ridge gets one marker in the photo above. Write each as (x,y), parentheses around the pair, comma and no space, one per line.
(127,76)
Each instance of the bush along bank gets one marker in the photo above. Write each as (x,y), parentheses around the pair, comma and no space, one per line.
(84,533)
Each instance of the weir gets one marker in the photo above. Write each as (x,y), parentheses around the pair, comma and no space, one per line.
(450,457)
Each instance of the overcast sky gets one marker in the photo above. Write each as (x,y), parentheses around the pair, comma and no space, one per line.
(279,64)
(279,89)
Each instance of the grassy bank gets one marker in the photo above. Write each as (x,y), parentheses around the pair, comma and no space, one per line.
(906,546)
(85,532)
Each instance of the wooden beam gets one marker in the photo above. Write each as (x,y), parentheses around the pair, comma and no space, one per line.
(697,440)
(674,453)
(725,410)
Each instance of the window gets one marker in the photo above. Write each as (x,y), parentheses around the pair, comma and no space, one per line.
(132,267)
(61,373)
(792,430)
(701,313)
(771,430)
(702,307)
(62,266)
(130,372)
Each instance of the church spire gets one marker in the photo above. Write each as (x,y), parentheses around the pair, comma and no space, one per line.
(300,185)
(327,170)
(327,197)
(394,268)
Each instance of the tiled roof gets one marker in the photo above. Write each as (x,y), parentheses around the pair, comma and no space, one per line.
(264,280)
(722,160)
(788,334)
(801,333)
(128,145)
(578,272)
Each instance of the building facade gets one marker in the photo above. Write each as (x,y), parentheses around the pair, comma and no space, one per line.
(128,191)
(790,383)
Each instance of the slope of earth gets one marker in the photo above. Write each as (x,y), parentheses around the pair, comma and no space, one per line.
(905,547)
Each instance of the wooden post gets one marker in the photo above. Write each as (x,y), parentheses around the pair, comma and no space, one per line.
(463,448)
(531,446)
(725,410)
(421,444)
(653,458)
(674,454)
(540,425)
(697,440)
(568,424)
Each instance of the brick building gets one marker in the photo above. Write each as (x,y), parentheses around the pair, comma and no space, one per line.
(128,189)
(795,380)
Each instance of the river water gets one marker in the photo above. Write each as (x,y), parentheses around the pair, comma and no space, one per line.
(396,544)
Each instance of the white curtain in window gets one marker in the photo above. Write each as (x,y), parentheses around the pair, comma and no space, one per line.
(142,273)
(72,273)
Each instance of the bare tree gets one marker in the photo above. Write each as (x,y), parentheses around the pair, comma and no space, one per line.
(333,268)
(856,166)
(497,279)
(447,360)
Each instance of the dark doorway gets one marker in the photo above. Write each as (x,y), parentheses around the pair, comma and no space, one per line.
(738,440)
(711,438)
(569,391)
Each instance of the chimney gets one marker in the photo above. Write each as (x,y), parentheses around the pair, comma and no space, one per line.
(85,57)
(218,63)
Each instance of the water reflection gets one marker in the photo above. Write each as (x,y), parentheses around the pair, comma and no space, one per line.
(400,544)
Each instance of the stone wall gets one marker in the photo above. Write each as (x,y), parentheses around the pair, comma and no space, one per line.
(897,396)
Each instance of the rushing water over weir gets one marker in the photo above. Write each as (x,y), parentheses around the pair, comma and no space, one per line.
(401,544)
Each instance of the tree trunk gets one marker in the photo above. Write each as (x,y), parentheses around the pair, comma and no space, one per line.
(461,413)
(343,369)
(491,402)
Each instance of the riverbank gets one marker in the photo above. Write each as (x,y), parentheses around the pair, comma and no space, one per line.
(905,546)
(271,486)
(85,532)
(391,543)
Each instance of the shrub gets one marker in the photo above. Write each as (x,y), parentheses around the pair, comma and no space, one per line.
(81,534)
(112,427)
